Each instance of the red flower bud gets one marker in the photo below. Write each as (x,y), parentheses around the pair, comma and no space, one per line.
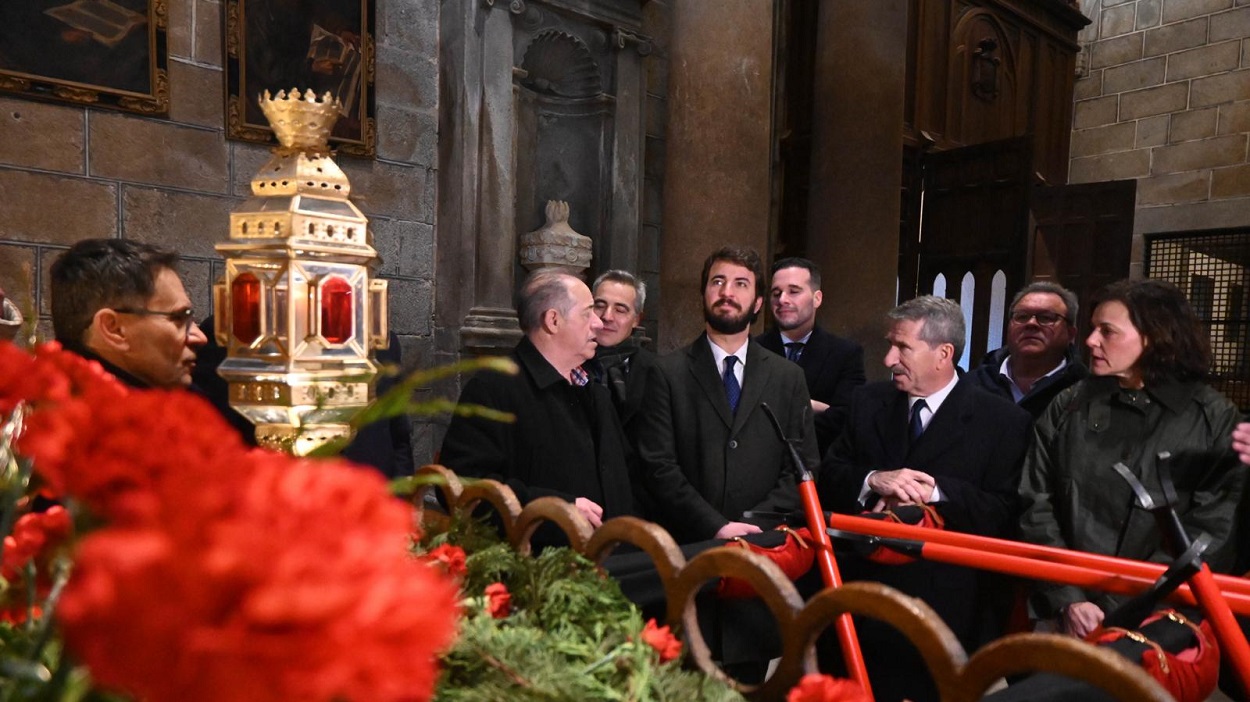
(662,640)
(822,688)
(498,600)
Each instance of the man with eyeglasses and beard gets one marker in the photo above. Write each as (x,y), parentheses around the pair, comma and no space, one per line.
(122,303)
(1039,359)
(710,454)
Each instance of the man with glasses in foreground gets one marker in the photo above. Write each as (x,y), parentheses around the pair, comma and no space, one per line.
(1039,359)
(122,303)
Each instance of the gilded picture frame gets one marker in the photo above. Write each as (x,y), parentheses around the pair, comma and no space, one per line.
(95,53)
(283,44)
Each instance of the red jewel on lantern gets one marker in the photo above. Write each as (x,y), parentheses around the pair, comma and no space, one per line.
(245,308)
(336,310)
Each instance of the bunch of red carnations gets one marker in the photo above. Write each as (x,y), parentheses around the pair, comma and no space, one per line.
(211,571)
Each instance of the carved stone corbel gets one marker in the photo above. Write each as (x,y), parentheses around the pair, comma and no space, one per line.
(555,245)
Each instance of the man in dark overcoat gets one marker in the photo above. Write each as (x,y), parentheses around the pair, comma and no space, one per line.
(566,440)
(926,437)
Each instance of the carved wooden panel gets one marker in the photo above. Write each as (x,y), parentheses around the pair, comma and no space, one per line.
(984,70)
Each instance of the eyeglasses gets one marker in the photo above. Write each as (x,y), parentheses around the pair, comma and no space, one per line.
(1045,319)
(183,319)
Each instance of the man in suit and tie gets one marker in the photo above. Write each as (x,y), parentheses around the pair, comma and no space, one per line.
(926,438)
(832,365)
(709,452)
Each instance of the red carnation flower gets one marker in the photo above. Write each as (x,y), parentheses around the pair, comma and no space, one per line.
(450,558)
(498,600)
(662,640)
(36,537)
(291,574)
(823,688)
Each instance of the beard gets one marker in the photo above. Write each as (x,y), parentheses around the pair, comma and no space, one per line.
(729,324)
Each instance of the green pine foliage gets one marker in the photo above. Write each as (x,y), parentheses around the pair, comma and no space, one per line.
(571,635)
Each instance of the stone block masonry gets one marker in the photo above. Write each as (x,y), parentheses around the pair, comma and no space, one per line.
(1167,101)
(68,173)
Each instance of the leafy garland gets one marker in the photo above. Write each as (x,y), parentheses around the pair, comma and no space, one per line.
(567,633)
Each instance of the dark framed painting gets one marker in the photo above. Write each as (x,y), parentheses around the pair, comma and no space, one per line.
(100,53)
(325,45)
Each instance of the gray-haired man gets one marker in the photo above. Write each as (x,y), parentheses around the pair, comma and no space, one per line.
(926,438)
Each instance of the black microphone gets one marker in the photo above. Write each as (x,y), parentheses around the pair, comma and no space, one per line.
(805,475)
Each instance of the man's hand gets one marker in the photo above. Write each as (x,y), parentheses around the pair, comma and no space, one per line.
(901,487)
(818,406)
(733,529)
(1241,441)
(590,510)
(1080,618)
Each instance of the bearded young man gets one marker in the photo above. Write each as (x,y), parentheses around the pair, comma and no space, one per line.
(709,452)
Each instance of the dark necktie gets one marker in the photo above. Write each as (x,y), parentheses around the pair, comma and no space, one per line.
(917,426)
(794,349)
(733,391)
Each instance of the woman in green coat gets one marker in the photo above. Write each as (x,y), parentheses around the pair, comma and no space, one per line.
(1146,395)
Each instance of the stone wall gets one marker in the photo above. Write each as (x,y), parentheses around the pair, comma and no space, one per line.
(1165,98)
(69,173)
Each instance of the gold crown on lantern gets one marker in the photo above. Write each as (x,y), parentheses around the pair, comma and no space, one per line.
(301,120)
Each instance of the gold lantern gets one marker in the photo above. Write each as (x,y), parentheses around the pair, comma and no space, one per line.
(298,310)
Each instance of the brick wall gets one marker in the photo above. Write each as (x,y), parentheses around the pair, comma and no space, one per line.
(1165,98)
(69,173)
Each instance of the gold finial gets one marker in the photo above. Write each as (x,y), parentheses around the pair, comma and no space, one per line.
(301,121)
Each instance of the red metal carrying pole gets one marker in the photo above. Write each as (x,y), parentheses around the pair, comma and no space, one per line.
(845,627)
(1216,607)
(1031,561)
(1228,584)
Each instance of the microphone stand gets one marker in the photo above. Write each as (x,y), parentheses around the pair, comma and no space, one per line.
(844,625)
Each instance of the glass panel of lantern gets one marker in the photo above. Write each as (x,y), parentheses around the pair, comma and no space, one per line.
(337,310)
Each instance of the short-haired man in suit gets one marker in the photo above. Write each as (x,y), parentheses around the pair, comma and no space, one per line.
(832,365)
(620,362)
(122,303)
(1039,359)
(926,438)
(566,441)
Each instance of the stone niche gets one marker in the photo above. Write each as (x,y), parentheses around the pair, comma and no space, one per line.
(545,102)
(571,146)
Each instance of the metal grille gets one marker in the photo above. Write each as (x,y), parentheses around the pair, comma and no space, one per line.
(1213,269)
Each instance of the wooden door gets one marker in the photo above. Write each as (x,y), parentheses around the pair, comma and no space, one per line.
(1082,237)
(974,222)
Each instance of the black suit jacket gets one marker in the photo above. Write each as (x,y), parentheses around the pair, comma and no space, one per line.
(566,441)
(834,367)
(973,447)
(705,465)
